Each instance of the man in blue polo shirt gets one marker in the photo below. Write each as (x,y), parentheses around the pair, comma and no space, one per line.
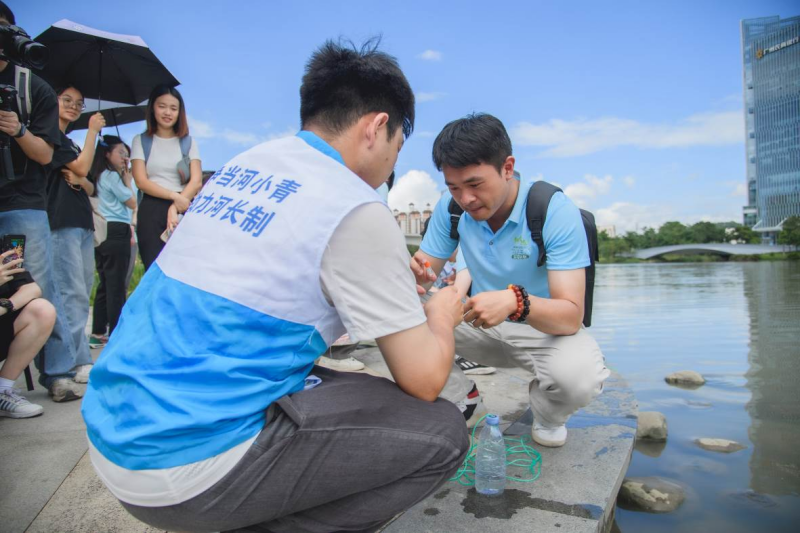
(517,314)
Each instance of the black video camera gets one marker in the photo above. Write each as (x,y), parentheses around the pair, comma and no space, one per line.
(18,48)
(8,93)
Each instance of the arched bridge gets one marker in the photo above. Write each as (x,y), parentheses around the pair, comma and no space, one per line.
(711,248)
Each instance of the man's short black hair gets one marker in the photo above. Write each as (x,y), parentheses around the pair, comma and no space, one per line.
(475,139)
(343,83)
(6,13)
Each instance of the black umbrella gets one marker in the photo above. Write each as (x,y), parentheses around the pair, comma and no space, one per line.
(102,65)
(116,114)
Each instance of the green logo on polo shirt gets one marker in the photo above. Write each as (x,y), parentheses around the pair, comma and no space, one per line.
(521,249)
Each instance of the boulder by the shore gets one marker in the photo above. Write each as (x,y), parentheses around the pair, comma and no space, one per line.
(650,494)
(685,378)
(652,426)
(720,445)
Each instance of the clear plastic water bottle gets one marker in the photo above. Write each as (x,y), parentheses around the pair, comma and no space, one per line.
(490,461)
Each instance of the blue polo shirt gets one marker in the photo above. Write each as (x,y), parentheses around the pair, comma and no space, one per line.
(509,256)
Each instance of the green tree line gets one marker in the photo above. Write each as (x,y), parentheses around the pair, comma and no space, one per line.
(672,233)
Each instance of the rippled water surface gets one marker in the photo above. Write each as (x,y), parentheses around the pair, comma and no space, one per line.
(738,324)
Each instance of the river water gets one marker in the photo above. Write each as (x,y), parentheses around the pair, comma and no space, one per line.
(738,324)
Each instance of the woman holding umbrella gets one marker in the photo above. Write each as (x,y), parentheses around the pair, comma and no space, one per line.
(71,224)
(167,169)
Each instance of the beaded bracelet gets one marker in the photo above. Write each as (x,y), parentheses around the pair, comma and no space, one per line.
(523,304)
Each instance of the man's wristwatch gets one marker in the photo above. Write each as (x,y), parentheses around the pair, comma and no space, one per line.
(22,130)
(8,304)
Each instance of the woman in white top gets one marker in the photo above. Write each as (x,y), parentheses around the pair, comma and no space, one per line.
(166,167)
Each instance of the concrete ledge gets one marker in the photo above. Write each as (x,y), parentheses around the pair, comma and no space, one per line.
(579,483)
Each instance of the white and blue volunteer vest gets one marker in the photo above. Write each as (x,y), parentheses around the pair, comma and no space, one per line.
(231,316)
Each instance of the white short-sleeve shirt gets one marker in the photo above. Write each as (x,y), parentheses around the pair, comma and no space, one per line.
(164,157)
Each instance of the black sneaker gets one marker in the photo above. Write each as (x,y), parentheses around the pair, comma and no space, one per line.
(474,369)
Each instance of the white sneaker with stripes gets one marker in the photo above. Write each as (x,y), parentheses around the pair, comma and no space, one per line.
(14,405)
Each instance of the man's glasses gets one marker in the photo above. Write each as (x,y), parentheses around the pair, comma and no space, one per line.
(80,105)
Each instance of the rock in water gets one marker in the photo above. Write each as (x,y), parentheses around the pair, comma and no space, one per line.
(650,494)
(720,445)
(652,425)
(687,378)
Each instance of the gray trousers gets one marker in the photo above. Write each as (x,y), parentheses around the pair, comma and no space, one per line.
(347,455)
(567,371)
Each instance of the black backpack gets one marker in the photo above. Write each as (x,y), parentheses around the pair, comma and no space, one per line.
(539,197)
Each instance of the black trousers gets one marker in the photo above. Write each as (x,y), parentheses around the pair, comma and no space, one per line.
(151,223)
(111,259)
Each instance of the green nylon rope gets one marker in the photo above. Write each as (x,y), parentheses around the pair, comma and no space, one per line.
(532,460)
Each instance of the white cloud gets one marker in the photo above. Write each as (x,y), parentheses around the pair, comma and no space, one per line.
(205,130)
(739,188)
(200,129)
(417,187)
(423,134)
(564,138)
(288,132)
(627,216)
(629,181)
(240,137)
(428,97)
(431,55)
(591,186)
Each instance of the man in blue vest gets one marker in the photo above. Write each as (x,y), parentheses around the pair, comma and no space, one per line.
(517,314)
(206,412)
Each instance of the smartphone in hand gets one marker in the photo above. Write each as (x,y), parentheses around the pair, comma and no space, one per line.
(16,243)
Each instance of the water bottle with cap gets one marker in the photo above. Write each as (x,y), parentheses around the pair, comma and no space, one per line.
(490,461)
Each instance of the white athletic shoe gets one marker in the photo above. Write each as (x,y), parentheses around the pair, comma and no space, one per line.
(550,437)
(342,365)
(82,373)
(65,390)
(13,405)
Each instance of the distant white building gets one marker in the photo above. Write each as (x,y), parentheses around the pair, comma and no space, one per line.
(412,222)
(611,231)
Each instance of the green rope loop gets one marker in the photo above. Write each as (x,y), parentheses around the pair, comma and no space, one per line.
(531,460)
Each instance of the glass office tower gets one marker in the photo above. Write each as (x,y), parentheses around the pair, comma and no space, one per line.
(771,76)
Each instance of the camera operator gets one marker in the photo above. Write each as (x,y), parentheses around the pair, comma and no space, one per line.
(23,197)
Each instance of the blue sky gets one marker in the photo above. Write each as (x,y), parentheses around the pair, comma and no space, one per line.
(634,107)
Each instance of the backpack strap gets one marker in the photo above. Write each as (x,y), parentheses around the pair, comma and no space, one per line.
(539,196)
(22,81)
(186,145)
(147,145)
(455,215)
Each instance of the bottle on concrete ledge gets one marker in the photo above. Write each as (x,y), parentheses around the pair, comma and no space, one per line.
(490,460)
